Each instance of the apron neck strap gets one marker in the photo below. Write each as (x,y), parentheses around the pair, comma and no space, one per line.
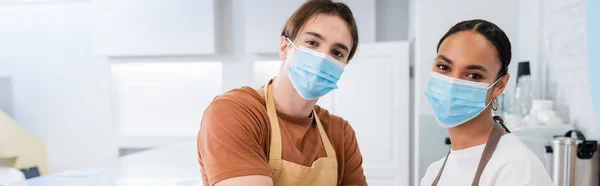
(276,144)
(326,143)
(488,151)
(275,147)
(490,146)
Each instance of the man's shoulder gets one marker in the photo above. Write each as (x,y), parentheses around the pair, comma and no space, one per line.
(243,95)
(243,105)
(329,119)
(239,99)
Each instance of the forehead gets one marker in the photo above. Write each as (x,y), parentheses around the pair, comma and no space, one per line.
(333,28)
(469,48)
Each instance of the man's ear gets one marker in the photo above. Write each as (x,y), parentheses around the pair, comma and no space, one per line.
(501,85)
(283,48)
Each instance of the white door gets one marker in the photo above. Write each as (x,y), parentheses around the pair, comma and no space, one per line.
(373,96)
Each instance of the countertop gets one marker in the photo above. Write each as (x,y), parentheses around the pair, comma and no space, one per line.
(175,165)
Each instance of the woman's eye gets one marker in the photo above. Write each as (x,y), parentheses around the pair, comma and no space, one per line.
(313,43)
(474,76)
(443,67)
(337,53)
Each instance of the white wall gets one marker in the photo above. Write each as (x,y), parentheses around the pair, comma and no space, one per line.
(529,42)
(593,26)
(6,97)
(565,54)
(154,27)
(264,20)
(432,19)
(61,90)
(163,99)
(412,18)
(392,20)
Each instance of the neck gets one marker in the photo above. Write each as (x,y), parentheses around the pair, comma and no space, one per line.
(472,133)
(288,101)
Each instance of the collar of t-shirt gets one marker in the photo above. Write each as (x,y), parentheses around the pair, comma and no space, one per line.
(468,153)
(296,120)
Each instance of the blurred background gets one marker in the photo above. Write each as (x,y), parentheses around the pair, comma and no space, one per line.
(100,81)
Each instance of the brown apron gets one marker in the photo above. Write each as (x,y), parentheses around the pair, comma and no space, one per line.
(323,171)
(488,151)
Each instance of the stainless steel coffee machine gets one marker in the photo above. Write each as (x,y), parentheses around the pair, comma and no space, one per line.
(573,161)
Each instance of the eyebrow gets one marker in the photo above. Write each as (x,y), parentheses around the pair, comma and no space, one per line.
(476,67)
(442,57)
(339,45)
(470,67)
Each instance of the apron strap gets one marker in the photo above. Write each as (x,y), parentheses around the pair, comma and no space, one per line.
(488,151)
(437,178)
(326,143)
(275,147)
(276,144)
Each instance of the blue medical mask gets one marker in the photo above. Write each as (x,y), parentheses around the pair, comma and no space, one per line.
(456,101)
(312,73)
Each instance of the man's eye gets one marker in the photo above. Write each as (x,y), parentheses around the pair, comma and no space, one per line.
(443,67)
(474,76)
(337,53)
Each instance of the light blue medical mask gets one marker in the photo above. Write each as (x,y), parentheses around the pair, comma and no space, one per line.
(312,73)
(456,101)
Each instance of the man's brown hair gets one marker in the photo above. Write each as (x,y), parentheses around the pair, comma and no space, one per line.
(313,8)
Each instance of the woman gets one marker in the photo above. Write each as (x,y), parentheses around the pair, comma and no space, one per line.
(276,135)
(469,74)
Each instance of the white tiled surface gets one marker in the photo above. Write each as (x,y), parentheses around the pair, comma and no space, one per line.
(564,52)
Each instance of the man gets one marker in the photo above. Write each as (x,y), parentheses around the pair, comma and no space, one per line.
(277,135)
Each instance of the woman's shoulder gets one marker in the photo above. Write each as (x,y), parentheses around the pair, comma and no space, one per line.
(435,166)
(513,149)
(432,171)
(517,164)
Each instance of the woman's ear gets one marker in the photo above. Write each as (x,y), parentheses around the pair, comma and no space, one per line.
(283,48)
(501,85)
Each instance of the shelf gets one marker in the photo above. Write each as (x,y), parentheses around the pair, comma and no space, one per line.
(136,142)
(542,133)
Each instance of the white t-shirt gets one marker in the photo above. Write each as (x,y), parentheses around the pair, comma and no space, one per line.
(512,164)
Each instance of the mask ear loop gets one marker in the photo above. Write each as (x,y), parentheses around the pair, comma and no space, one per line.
(494,83)
(497,119)
(495,99)
(287,62)
(292,43)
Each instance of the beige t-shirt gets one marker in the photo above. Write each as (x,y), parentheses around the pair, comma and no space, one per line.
(235,134)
